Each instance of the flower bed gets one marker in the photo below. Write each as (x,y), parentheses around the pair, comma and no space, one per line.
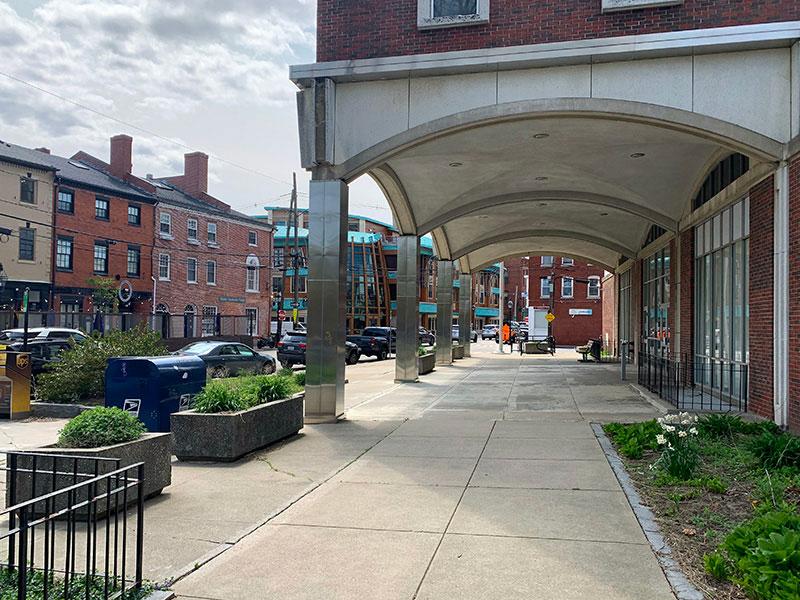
(724,492)
(233,417)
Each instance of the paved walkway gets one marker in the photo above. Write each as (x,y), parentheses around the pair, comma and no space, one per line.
(483,481)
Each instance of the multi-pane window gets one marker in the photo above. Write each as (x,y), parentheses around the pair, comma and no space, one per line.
(134,214)
(547,261)
(722,304)
(593,290)
(134,261)
(566,261)
(27,243)
(212,233)
(277,282)
(625,328)
(164,267)
(252,238)
(66,201)
(101,257)
(453,8)
(252,320)
(566,287)
(191,230)
(64,253)
(544,287)
(191,270)
(27,190)
(101,209)
(252,274)
(655,303)
(209,320)
(277,257)
(211,272)
(165,223)
(301,285)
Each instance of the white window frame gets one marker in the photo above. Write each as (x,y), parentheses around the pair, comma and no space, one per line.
(168,222)
(571,294)
(596,279)
(255,237)
(208,316)
(211,230)
(192,239)
(546,261)
(252,267)
(188,262)
(426,20)
(544,287)
(566,261)
(161,277)
(208,264)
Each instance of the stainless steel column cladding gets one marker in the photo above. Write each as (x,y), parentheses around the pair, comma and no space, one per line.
(327,282)
(444,313)
(405,366)
(465,311)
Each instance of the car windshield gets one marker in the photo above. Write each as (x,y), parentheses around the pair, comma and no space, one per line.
(198,348)
(13,335)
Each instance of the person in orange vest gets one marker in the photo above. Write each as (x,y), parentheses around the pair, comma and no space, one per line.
(506,333)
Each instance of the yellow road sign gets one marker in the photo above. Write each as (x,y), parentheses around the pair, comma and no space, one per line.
(550,317)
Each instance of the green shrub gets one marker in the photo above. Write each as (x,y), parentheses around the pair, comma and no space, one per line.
(241,393)
(100,426)
(716,565)
(80,374)
(285,372)
(764,556)
(300,378)
(632,440)
(726,425)
(422,351)
(775,450)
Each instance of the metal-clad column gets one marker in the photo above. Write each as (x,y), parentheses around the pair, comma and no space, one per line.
(444,313)
(501,307)
(465,311)
(327,282)
(405,364)
(780,365)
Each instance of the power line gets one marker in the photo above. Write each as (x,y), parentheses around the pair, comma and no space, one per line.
(139,128)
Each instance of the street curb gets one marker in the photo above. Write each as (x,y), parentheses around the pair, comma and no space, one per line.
(681,586)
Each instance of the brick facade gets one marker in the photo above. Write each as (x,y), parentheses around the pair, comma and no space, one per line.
(762,203)
(794,295)
(375,28)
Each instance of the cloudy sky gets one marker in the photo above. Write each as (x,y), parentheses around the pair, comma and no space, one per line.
(210,75)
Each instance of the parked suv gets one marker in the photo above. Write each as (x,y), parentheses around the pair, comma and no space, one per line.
(473,335)
(489,332)
(388,333)
(292,350)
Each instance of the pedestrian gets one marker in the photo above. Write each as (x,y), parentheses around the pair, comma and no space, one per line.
(506,333)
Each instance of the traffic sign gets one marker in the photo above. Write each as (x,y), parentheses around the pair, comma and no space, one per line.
(281,314)
(550,317)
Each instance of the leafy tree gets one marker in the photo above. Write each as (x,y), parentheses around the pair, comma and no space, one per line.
(104,292)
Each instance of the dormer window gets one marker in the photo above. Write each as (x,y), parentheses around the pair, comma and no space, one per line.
(451,13)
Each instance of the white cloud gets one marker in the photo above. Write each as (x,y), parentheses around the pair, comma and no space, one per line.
(212,75)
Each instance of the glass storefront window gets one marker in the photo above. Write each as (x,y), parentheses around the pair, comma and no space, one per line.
(655,297)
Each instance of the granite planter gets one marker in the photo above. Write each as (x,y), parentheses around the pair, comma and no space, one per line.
(152,449)
(426,363)
(227,437)
(458,352)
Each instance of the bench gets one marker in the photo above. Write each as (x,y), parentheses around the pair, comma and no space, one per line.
(591,347)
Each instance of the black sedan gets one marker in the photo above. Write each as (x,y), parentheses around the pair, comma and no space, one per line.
(43,352)
(224,359)
(292,350)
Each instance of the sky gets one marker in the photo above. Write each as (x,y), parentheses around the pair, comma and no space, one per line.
(176,75)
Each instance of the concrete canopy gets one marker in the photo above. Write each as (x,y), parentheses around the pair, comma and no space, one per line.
(582,185)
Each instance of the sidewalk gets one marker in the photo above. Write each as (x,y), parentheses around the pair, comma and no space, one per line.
(494,488)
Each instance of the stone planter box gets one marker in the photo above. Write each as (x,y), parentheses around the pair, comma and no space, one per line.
(57,410)
(153,449)
(458,352)
(426,363)
(229,436)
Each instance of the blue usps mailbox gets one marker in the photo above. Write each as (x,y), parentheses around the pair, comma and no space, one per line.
(154,387)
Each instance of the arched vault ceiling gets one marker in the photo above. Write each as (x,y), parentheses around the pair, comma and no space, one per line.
(542,245)
(580,156)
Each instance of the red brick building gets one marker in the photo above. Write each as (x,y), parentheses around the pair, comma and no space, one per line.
(212,264)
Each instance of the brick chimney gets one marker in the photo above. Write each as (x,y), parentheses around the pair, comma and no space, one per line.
(43,150)
(121,155)
(195,173)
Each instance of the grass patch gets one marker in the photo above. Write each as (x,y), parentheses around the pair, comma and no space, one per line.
(55,588)
(733,524)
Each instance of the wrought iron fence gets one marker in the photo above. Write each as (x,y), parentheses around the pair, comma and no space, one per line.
(697,384)
(75,525)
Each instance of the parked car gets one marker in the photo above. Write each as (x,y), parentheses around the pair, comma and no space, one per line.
(292,350)
(43,352)
(387,333)
(42,333)
(489,332)
(224,359)
(371,345)
(426,338)
(473,334)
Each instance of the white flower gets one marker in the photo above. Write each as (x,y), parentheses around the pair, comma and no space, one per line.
(661,440)
(682,434)
(693,431)
(669,428)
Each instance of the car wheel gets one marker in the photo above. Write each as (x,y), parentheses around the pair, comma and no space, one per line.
(219,372)
(286,364)
(352,358)
(268,368)
(383,354)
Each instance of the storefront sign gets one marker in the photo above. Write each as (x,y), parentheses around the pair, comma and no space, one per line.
(580,311)
(231,299)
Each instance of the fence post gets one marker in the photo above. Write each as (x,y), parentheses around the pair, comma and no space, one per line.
(139,526)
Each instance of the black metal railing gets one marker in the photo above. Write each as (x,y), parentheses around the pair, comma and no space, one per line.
(696,384)
(75,526)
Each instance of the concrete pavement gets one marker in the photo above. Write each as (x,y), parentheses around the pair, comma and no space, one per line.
(482,481)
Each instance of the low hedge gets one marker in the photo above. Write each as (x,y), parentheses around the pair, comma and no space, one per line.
(100,426)
(240,393)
